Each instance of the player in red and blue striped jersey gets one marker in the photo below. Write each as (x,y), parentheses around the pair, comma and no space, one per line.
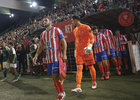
(51,38)
(111,42)
(100,53)
(120,48)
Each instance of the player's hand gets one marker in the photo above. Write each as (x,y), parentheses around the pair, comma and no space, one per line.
(88,49)
(64,58)
(8,60)
(34,60)
(108,53)
(121,43)
(13,62)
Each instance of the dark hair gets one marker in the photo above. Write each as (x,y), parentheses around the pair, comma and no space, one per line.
(33,41)
(76,17)
(10,43)
(94,27)
(50,19)
(117,30)
(101,26)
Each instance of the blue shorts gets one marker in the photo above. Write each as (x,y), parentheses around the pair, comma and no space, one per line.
(120,53)
(53,68)
(112,53)
(100,56)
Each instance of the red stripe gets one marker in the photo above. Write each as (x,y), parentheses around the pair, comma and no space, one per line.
(52,44)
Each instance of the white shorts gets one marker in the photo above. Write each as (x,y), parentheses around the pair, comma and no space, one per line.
(13,65)
(6,65)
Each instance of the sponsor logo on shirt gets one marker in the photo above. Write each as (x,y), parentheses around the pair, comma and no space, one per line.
(82,31)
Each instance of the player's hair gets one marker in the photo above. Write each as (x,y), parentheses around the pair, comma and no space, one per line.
(33,41)
(94,27)
(50,19)
(117,30)
(101,26)
(10,43)
(76,17)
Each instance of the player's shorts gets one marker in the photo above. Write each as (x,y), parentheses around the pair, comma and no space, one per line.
(86,59)
(6,65)
(120,53)
(13,65)
(100,56)
(112,53)
(53,68)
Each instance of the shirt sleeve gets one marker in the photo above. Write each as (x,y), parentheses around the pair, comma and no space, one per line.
(110,33)
(60,34)
(124,39)
(41,37)
(35,46)
(104,38)
(7,48)
(91,36)
(14,52)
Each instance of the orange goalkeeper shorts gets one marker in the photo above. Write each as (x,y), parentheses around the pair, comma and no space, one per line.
(86,59)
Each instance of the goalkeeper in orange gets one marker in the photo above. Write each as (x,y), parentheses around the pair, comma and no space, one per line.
(84,40)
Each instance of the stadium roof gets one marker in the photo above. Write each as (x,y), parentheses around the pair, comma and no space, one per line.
(21,10)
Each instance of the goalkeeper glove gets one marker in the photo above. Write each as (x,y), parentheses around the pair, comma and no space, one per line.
(88,49)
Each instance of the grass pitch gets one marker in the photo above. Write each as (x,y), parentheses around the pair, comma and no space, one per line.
(124,87)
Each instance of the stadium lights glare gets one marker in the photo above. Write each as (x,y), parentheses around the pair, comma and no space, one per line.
(34,4)
(54,7)
(31,6)
(12,15)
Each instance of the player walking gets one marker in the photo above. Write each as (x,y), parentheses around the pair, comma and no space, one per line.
(111,43)
(13,62)
(100,53)
(84,40)
(120,48)
(6,63)
(51,38)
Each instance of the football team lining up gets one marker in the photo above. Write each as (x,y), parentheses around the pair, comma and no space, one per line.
(103,41)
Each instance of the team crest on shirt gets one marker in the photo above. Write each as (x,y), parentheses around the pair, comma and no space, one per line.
(82,31)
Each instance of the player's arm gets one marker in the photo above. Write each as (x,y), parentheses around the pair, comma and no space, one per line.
(90,35)
(124,40)
(105,40)
(63,41)
(108,52)
(14,52)
(113,40)
(41,47)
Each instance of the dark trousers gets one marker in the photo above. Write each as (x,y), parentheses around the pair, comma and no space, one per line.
(23,64)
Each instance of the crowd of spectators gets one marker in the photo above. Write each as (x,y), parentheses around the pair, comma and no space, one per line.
(64,11)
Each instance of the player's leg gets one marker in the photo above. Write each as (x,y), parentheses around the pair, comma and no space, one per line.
(116,65)
(106,68)
(89,61)
(79,62)
(14,70)
(104,59)
(108,64)
(58,82)
(125,59)
(5,66)
(119,54)
(101,70)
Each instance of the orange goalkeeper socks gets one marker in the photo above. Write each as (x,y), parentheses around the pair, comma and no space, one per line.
(93,73)
(79,75)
